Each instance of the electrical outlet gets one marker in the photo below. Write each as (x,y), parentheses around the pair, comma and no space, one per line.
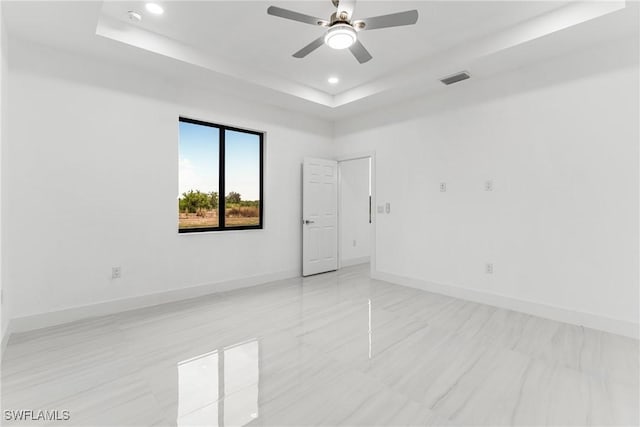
(489,268)
(387,207)
(488,185)
(116,272)
(443,187)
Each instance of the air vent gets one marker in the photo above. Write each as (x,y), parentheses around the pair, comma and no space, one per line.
(457,77)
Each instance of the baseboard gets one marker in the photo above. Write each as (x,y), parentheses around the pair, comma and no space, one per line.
(43,320)
(355,261)
(590,320)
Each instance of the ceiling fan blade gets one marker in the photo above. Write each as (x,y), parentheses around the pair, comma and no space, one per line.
(347,7)
(295,16)
(399,19)
(309,48)
(359,51)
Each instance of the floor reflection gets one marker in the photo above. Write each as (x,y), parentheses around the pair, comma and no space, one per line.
(370,330)
(220,388)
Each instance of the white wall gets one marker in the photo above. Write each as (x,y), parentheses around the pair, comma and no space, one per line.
(355,229)
(560,142)
(93,180)
(4,311)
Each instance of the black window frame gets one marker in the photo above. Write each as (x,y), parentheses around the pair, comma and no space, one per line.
(221,180)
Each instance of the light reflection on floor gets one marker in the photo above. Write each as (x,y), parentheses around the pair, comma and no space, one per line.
(220,388)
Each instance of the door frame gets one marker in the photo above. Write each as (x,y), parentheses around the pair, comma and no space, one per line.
(372,236)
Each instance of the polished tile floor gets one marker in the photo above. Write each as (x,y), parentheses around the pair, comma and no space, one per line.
(333,349)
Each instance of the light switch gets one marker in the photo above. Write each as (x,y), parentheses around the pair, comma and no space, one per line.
(388,207)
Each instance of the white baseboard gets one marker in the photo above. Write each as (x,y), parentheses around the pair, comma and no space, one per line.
(590,320)
(354,261)
(43,320)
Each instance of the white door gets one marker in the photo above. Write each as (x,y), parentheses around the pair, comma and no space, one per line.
(319,216)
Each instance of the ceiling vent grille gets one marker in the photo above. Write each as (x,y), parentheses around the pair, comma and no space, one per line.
(457,77)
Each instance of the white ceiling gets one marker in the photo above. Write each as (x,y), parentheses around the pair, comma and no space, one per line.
(241,32)
(238,44)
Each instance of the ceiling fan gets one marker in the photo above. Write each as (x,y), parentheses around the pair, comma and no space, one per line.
(342,29)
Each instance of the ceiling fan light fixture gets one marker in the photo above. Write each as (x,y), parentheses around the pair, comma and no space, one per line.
(340,36)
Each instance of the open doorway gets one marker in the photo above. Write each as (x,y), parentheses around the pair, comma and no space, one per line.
(355,206)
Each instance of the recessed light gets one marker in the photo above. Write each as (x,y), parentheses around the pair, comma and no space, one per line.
(154,8)
(333,80)
(134,16)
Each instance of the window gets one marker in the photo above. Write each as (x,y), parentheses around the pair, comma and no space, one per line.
(215,160)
